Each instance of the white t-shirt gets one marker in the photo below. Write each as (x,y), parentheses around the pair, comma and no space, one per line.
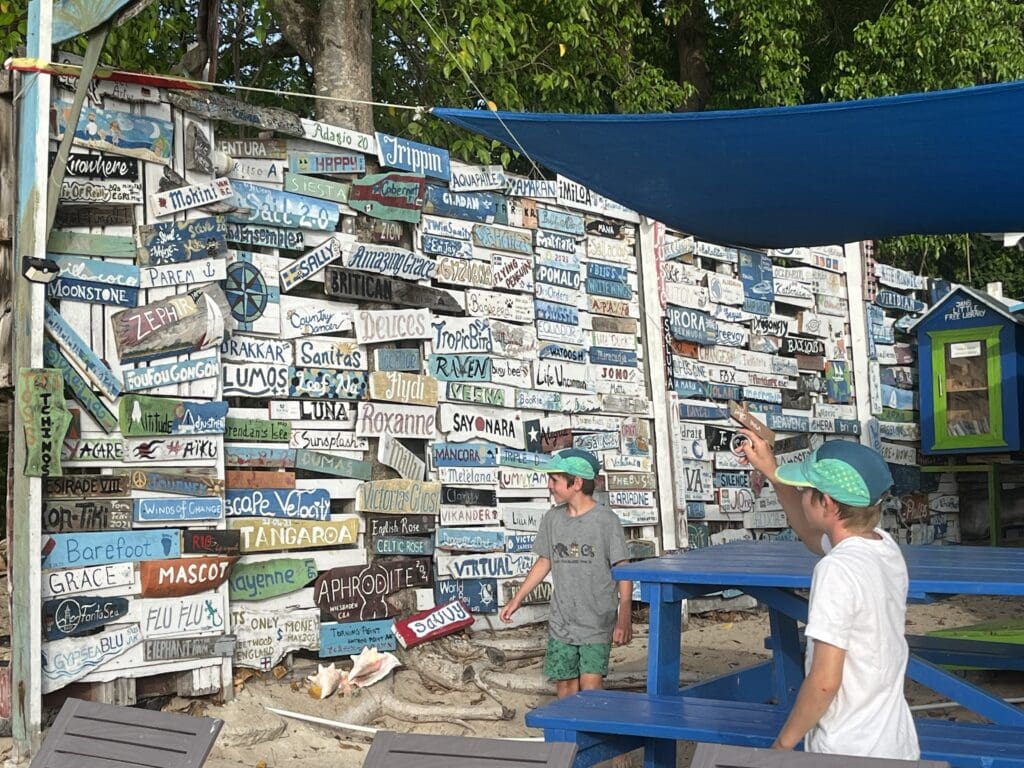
(859,603)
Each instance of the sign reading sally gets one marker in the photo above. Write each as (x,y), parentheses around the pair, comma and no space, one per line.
(412,156)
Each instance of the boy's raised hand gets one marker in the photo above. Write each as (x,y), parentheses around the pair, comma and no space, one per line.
(758,454)
(507,610)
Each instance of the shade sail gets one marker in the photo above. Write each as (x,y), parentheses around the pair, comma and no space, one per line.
(934,163)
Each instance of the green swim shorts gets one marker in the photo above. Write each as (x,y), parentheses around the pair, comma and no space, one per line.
(567,662)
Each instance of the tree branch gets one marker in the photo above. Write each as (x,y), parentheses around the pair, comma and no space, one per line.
(297,23)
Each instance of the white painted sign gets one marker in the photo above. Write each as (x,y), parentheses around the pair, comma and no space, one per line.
(313,317)
(515,308)
(262,638)
(375,326)
(183,198)
(457,515)
(327,440)
(416,421)
(336,354)
(468,475)
(65,661)
(392,453)
(497,425)
(95,580)
(182,616)
(313,262)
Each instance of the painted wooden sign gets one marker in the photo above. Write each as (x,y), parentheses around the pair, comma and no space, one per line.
(101,191)
(183,576)
(314,261)
(398,497)
(183,615)
(269,149)
(389,196)
(373,327)
(469,497)
(433,623)
(182,323)
(335,466)
(263,535)
(72,581)
(692,325)
(76,550)
(409,388)
(71,659)
(266,237)
(479,595)
(264,637)
(458,514)
(330,414)
(326,440)
(326,133)
(248,478)
(457,271)
(487,566)
(253,291)
(319,188)
(463,454)
(460,367)
(496,425)
(406,155)
(94,216)
(496,395)
(349,638)
(175,510)
(217,106)
(512,273)
(193,272)
(258,169)
(67,516)
(560,376)
(78,351)
(282,209)
(468,475)
(512,308)
(81,244)
(498,238)
(471,539)
(119,133)
(400,525)
(365,286)
(143,415)
(181,484)
(390,260)
(476,178)
(467,206)
(181,648)
(461,335)
(270,578)
(357,592)
(413,546)
(397,359)
(199,451)
(194,196)
(250,349)
(310,317)
(387,232)
(394,454)
(169,374)
(337,354)
(211,543)
(86,486)
(45,419)
(99,275)
(73,616)
(892,300)
(325,163)
(257,430)
(321,382)
(275,502)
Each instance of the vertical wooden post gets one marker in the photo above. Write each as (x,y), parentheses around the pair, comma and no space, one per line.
(854,253)
(651,313)
(995,504)
(27,340)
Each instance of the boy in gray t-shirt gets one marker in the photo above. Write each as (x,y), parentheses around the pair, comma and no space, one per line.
(578,542)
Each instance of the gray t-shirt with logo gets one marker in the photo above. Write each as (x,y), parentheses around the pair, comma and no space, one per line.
(582,550)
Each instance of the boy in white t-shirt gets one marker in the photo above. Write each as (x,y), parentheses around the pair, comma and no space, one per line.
(851,701)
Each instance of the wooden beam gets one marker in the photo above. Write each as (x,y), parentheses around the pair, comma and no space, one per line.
(27,305)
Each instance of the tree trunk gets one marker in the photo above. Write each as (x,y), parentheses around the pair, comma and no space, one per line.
(691,48)
(343,63)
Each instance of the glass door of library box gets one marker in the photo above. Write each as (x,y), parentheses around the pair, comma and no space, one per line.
(966,388)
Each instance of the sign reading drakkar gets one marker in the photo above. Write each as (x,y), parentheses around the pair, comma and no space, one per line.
(263,535)
(183,576)
(399,497)
(357,592)
(432,623)
(46,419)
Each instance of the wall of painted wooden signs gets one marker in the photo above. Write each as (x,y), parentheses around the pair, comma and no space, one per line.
(924,507)
(773,330)
(299,383)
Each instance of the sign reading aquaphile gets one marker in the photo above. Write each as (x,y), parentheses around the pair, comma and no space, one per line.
(412,156)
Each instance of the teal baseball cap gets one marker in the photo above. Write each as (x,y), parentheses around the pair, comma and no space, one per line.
(850,473)
(573,461)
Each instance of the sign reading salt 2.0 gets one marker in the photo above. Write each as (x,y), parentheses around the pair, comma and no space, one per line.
(284,209)
(413,157)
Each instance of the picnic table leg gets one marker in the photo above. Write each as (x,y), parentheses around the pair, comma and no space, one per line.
(659,753)
(784,609)
(665,629)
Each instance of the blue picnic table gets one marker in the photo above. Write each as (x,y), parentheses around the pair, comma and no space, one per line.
(749,706)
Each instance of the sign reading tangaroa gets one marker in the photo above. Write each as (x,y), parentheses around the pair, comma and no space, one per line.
(183,576)
(264,535)
(366,286)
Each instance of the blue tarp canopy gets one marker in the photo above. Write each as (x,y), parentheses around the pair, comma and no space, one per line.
(933,163)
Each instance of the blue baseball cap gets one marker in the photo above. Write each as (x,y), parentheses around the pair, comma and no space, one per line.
(850,473)
(573,461)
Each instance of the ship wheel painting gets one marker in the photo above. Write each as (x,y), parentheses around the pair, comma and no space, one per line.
(246,291)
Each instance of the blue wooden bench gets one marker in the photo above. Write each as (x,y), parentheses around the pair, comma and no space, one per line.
(603,724)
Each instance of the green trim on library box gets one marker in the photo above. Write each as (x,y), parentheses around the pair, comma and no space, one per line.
(176,510)
(148,416)
(336,466)
(347,638)
(270,578)
(988,334)
(75,550)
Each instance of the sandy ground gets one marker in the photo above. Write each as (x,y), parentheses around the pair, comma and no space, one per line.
(713,644)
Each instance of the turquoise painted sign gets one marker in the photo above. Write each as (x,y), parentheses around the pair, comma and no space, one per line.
(97,271)
(169,374)
(460,367)
(73,345)
(76,550)
(80,388)
(597,287)
(470,540)
(328,464)
(403,545)
(322,382)
(177,510)
(282,209)
(571,223)
(347,638)
(263,456)
(463,454)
